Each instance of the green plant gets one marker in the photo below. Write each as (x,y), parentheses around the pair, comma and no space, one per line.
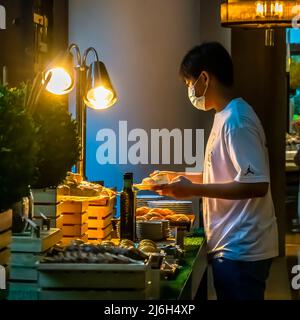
(18,147)
(59,146)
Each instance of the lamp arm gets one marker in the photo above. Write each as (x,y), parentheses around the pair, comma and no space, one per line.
(86,53)
(77,50)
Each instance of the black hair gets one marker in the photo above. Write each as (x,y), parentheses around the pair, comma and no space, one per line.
(211,57)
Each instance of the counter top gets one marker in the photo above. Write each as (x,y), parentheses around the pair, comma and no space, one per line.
(188,279)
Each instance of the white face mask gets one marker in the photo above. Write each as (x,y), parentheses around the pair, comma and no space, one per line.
(197,102)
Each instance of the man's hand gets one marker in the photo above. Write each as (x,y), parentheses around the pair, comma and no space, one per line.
(180,188)
(194,177)
(171,174)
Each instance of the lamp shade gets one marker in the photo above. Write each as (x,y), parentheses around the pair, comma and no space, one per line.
(58,77)
(258,14)
(99,92)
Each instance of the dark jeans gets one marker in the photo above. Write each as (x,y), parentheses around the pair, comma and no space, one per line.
(240,280)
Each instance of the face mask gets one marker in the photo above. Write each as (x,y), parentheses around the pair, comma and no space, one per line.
(197,102)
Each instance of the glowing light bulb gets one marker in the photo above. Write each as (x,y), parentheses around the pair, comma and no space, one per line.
(278,9)
(260,9)
(60,82)
(100,98)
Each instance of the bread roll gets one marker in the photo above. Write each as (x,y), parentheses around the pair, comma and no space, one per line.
(142,211)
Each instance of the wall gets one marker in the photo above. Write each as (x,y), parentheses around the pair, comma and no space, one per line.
(210,24)
(17,40)
(142,44)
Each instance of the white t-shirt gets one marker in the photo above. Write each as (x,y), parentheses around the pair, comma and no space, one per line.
(243,230)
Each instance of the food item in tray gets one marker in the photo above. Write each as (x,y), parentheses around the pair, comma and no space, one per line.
(183,219)
(163,212)
(125,243)
(148,249)
(63,190)
(107,243)
(74,178)
(157,218)
(147,246)
(141,211)
(157,214)
(142,218)
(148,181)
(91,253)
(178,218)
(147,241)
(153,214)
(75,186)
(156,180)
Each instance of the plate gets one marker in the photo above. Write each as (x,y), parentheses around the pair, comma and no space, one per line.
(147,186)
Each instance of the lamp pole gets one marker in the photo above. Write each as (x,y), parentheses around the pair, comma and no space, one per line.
(80,74)
(81,114)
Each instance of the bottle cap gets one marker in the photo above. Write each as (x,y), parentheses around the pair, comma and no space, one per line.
(128,175)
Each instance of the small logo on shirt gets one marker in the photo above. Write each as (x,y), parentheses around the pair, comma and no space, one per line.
(249,171)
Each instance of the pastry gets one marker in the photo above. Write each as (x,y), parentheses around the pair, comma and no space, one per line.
(161,179)
(141,218)
(144,241)
(148,249)
(142,211)
(149,215)
(148,181)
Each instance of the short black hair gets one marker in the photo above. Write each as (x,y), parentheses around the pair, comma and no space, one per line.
(211,57)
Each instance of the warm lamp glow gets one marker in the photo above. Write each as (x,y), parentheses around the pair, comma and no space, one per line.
(277,9)
(266,9)
(60,82)
(260,9)
(256,14)
(100,98)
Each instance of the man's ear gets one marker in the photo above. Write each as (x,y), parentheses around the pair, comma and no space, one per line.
(205,76)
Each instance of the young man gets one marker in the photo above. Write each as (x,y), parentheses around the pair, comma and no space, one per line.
(238,212)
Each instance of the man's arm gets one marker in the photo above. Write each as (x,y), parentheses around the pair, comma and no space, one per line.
(231,191)
(183,188)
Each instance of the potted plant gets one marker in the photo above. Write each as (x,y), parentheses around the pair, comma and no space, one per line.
(18,150)
(59,149)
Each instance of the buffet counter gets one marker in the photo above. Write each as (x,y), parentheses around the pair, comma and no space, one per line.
(192,275)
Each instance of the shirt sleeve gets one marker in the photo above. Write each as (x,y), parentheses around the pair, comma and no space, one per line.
(249,156)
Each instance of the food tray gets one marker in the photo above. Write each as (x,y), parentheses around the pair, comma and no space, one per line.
(29,244)
(93,276)
(147,186)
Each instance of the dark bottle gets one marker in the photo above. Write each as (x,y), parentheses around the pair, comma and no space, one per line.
(127,216)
